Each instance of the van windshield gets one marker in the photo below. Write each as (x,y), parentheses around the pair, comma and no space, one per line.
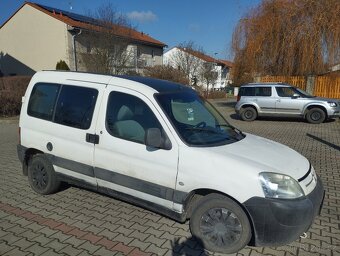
(196,121)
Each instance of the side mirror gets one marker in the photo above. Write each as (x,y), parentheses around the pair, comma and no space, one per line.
(295,96)
(154,138)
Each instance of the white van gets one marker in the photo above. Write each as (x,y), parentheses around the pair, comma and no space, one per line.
(159,145)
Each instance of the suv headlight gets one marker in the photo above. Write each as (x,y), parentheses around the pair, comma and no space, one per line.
(281,186)
(332,104)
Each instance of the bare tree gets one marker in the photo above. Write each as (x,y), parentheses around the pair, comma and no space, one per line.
(166,72)
(287,37)
(209,75)
(186,61)
(107,42)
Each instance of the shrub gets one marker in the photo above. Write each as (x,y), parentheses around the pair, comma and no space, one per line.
(11,91)
(167,73)
(61,65)
(217,94)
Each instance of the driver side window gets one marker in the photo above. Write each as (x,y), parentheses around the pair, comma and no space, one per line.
(128,117)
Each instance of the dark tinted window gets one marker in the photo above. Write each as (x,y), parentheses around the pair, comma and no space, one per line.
(247,91)
(75,106)
(285,91)
(128,117)
(263,91)
(42,100)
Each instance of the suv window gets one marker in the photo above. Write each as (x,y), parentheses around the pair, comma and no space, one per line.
(42,100)
(285,91)
(263,91)
(247,91)
(128,117)
(256,91)
(75,106)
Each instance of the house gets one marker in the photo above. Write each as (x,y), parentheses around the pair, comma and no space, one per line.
(36,37)
(195,62)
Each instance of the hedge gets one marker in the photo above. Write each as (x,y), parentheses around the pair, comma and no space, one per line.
(11,91)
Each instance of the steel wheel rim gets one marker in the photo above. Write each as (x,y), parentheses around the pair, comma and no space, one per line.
(315,116)
(248,114)
(220,227)
(39,176)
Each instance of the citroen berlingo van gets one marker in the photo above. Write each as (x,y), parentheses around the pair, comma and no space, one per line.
(158,145)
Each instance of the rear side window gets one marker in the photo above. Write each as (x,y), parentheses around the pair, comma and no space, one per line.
(42,100)
(63,104)
(263,91)
(255,91)
(75,106)
(247,91)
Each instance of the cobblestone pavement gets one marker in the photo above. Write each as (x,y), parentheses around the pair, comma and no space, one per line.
(76,221)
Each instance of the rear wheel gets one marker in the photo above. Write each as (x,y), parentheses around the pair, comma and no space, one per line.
(315,116)
(248,114)
(41,175)
(220,224)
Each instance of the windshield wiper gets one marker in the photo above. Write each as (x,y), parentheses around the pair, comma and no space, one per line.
(204,129)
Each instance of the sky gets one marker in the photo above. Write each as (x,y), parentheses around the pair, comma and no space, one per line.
(208,23)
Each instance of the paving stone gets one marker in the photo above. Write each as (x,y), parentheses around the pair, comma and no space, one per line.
(139,244)
(17,252)
(56,245)
(89,247)
(37,249)
(4,247)
(71,251)
(23,243)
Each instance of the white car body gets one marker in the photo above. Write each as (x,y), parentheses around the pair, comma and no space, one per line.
(165,178)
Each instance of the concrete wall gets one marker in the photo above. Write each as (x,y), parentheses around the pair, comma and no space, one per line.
(30,41)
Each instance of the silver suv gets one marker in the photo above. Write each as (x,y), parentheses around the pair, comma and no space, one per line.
(284,100)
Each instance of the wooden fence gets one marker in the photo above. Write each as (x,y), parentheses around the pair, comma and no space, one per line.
(323,86)
(298,81)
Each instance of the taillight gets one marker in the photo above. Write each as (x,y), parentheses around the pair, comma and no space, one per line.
(238,97)
(19,131)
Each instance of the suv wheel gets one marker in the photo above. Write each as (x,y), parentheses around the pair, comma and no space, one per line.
(315,116)
(41,175)
(248,114)
(220,224)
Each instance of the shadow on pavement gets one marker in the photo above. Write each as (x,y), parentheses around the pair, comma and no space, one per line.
(191,246)
(234,116)
(230,104)
(336,147)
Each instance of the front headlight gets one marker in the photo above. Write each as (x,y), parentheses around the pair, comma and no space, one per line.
(281,186)
(332,104)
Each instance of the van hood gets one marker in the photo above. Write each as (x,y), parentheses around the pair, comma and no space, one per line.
(266,156)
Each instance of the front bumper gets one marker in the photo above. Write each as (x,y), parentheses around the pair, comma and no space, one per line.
(281,221)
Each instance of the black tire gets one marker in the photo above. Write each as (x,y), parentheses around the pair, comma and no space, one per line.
(41,175)
(248,114)
(316,116)
(220,224)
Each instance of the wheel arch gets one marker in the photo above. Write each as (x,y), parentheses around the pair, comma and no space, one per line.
(29,153)
(254,106)
(313,105)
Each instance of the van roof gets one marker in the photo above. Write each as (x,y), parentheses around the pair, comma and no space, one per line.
(157,85)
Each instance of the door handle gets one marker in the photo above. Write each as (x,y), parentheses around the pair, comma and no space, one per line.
(92,138)
(278,100)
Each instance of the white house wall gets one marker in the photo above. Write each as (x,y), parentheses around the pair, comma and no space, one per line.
(30,41)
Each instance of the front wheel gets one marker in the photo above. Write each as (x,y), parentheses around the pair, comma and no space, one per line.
(220,224)
(315,116)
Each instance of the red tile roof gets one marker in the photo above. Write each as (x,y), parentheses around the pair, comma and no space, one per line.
(116,29)
(206,58)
